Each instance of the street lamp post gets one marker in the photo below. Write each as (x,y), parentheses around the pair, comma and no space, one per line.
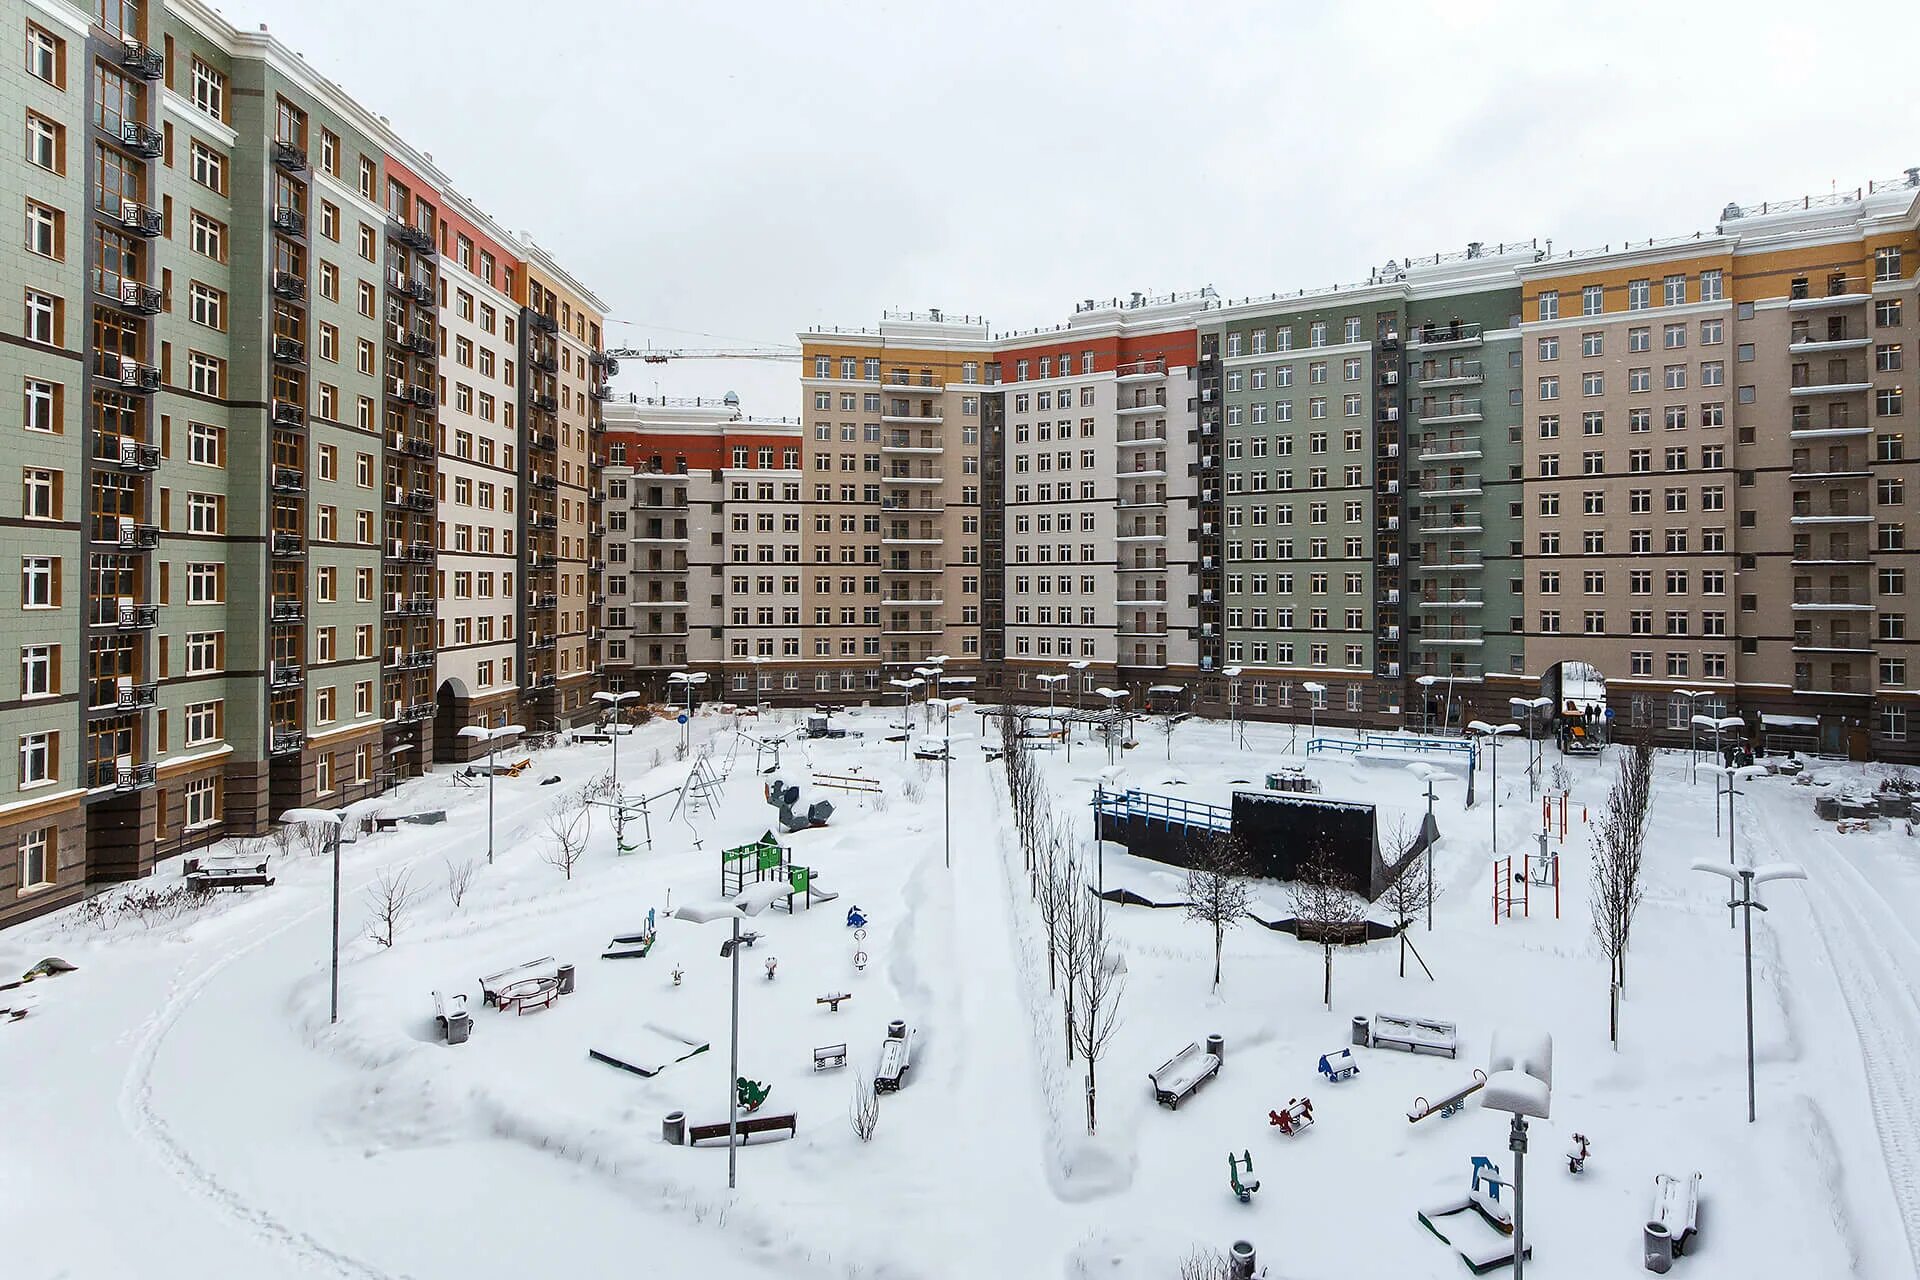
(335,818)
(947,707)
(1693,729)
(614,700)
(1738,774)
(1520,1083)
(1749,878)
(1313,692)
(906,688)
(686,680)
(490,736)
(1530,707)
(1426,773)
(1490,734)
(1426,684)
(1235,726)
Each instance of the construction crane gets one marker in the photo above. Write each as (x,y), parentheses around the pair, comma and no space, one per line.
(660,355)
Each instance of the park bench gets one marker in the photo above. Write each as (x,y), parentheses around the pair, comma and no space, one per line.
(1181,1074)
(226,870)
(833,999)
(829,1055)
(1414,1035)
(451,1013)
(745,1126)
(896,1055)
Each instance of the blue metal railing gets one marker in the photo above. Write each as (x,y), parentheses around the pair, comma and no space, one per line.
(1170,810)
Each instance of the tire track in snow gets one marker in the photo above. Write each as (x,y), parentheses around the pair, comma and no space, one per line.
(1861,936)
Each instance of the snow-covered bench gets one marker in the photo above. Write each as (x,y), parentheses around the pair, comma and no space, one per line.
(494,983)
(1671,1223)
(226,870)
(1181,1074)
(1414,1035)
(896,1055)
(456,1024)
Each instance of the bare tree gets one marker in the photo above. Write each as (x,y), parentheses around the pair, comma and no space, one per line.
(1619,839)
(1325,906)
(1218,892)
(1100,975)
(459,878)
(1412,889)
(568,824)
(1169,721)
(1205,1264)
(391,897)
(1054,873)
(1073,919)
(864,1112)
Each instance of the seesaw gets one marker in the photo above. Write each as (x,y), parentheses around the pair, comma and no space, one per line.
(1448,1105)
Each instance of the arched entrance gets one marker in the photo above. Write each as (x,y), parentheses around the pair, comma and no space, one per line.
(451,710)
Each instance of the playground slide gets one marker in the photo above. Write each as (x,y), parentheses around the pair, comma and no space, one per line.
(648,1050)
(1459,1222)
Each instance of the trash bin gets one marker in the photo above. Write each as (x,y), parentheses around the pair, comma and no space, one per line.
(1659,1249)
(897,1029)
(674,1128)
(1217,1046)
(566,979)
(459,1026)
(1240,1260)
(1361,1034)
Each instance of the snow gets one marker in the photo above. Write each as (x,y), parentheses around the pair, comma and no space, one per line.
(184,1108)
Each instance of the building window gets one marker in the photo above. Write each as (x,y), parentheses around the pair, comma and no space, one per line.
(209,90)
(39,758)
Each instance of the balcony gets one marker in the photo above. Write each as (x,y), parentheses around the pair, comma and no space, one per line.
(1459,449)
(1806,515)
(1465,373)
(1464,486)
(1464,599)
(425,397)
(285,675)
(130,374)
(290,286)
(141,299)
(1833,430)
(143,140)
(1144,602)
(543,600)
(1456,671)
(418,500)
(1830,388)
(925,538)
(288,546)
(1451,411)
(601,391)
(541,645)
(287,414)
(290,220)
(900,442)
(421,344)
(545,441)
(1142,536)
(130,455)
(419,239)
(1450,525)
(922,478)
(1140,407)
(414,712)
(416,553)
(410,659)
(538,561)
(140,219)
(1468,636)
(1821,346)
(288,156)
(138,537)
(914,602)
(913,566)
(543,362)
(136,697)
(289,350)
(142,62)
(286,742)
(132,616)
(415,606)
(541,322)
(1142,440)
(1847,599)
(1140,371)
(547,483)
(1798,476)
(1438,337)
(1805,301)
(289,480)
(1838,643)
(134,777)
(1456,562)
(286,609)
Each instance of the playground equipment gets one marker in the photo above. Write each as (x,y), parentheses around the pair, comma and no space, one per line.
(853,782)
(828,1056)
(1338,1065)
(1183,1073)
(1674,1218)
(1547,815)
(632,946)
(749,1094)
(773,962)
(832,1000)
(1449,1105)
(1461,750)
(1541,869)
(784,798)
(1242,1190)
(649,1050)
(1577,1152)
(1413,1035)
(1477,1225)
(819,727)
(856,919)
(754,863)
(1297,1116)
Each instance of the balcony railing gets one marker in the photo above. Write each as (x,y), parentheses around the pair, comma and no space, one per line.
(289,480)
(287,545)
(419,239)
(129,454)
(289,350)
(134,777)
(290,286)
(141,299)
(137,537)
(285,675)
(1135,369)
(541,322)
(130,374)
(136,697)
(290,220)
(145,63)
(143,140)
(130,616)
(287,609)
(1465,410)
(1442,335)
(286,741)
(141,219)
(1464,373)
(287,414)
(1832,598)
(288,156)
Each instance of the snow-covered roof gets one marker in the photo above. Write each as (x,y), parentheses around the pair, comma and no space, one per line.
(1789,722)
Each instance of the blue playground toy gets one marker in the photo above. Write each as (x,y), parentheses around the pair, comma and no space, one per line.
(856,919)
(1242,1191)
(1338,1065)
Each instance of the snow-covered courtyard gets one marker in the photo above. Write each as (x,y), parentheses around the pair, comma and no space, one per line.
(181,1105)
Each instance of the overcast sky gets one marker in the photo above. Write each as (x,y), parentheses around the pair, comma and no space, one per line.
(724,174)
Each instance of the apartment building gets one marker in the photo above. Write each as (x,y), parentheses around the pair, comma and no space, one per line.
(1099,478)
(704,514)
(227,348)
